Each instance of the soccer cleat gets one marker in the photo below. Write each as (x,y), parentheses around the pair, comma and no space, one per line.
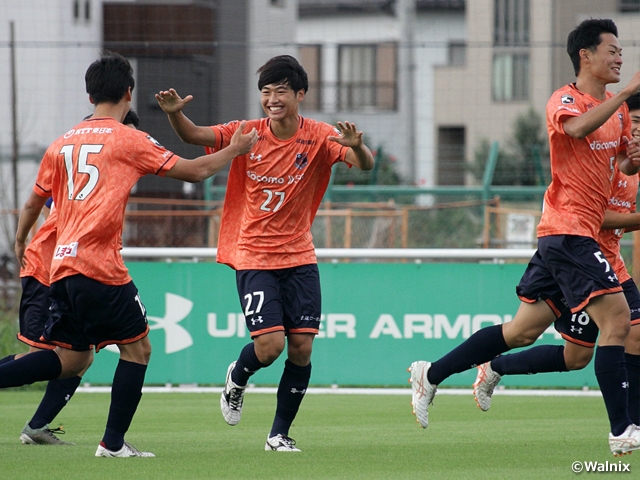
(42,436)
(281,443)
(127,450)
(422,392)
(626,442)
(486,382)
(231,399)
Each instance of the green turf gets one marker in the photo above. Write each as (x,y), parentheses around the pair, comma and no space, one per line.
(342,436)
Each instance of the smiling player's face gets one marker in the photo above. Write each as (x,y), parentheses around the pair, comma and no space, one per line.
(280,101)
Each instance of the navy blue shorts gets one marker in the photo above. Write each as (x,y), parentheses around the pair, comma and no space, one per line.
(34,312)
(570,267)
(88,314)
(579,329)
(286,300)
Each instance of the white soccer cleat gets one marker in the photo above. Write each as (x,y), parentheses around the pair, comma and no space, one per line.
(486,381)
(281,443)
(422,392)
(231,399)
(126,451)
(626,442)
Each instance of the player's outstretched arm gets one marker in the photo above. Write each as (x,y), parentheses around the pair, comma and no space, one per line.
(594,118)
(28,217)
(358,154)
(207,165)
(172,104)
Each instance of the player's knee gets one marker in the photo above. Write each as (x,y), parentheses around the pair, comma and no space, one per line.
(578,362)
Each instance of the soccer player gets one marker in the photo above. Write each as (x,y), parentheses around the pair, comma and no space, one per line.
(265,235)
(34,313)
(589,130)
(577,329)
(89,172)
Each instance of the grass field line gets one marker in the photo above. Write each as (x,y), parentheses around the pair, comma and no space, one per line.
(355,391)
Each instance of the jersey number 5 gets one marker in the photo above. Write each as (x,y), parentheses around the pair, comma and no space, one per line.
(83,167)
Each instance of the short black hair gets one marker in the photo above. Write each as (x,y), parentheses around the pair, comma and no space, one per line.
(131,118)
(588,35)
(109,78)
(633,102)
(283,70)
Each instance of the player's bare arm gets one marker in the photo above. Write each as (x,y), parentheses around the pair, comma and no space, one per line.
(28,217)
(358,154)
(614,220)
(591,120)
(207,165)
(172,104)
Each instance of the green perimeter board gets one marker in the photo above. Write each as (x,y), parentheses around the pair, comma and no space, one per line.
(377,319)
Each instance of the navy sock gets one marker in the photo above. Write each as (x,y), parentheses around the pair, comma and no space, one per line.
(246,365)
(126,393)
(633,374)
(58,393)
(293,385)
(611,372)
(545,358)
(8,358)
(479,348)
(35,367)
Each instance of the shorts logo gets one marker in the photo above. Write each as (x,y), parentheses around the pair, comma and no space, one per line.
(301,161)
(567,99)
(62,251)
(256,320)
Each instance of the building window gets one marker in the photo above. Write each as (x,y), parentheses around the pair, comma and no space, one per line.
(451,145)
(310,57)
(510,77)
(629,5)
(87,10)
(76,9)
(511,22)
(511,39)
(457,53)
(367,77)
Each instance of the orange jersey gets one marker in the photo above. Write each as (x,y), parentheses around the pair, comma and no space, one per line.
(89,172)
(581,169)
(273,195)
(622,200)
(39,252)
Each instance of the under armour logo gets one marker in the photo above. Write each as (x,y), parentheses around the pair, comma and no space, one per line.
(177,338)
(255,157)
(295,390)
(612,278)
(256,320)
(576,329)
(625,384)
(622,183)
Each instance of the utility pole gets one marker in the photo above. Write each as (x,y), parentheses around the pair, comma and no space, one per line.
(406,14)
(14,122)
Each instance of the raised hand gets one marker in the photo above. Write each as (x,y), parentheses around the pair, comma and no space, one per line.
(170,102)
(350,137)
(243,142)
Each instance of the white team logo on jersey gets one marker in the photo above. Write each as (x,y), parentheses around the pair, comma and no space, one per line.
(567,99)
(154,141)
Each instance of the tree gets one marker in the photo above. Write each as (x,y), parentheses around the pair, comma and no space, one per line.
(525,159)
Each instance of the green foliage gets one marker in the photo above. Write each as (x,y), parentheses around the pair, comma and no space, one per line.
(383,173)
(524,159)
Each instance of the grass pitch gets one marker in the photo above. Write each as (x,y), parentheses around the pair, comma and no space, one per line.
(341,436)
